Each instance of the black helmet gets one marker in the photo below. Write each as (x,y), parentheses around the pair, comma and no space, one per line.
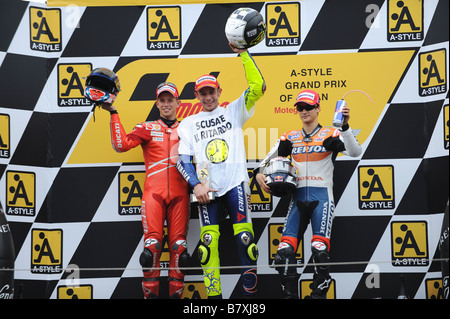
(245,28)
(102,85)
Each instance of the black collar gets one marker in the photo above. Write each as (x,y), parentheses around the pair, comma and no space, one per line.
(169,123)
(307,137)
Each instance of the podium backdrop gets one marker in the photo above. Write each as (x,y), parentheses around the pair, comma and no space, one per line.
(73,204)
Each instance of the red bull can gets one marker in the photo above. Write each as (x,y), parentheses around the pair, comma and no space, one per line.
(338,119)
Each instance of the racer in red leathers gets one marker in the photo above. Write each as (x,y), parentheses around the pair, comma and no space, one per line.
(165,195)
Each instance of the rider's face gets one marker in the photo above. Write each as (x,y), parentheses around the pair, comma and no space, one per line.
(167,105)
(209,97)
(308,114)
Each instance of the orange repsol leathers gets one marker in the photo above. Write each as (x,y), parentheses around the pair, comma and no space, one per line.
(165,197)
(313,155)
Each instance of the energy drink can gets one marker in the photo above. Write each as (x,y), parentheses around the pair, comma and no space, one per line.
(338,119)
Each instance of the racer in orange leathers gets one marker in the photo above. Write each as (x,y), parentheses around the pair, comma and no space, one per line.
(312,150)
(165,195)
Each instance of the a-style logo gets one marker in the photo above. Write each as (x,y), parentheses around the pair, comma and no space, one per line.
(45,29)
(405,20)
(46,251)
(131,185)
(20,193)
(275,232)
(78,292)
(306,288)
(434,289)
(5,146)
(164,28)
(446,129)
(283,24)
(71,84)
(409,242)
(194,290)
(433,72)
(376,187)
(260,201)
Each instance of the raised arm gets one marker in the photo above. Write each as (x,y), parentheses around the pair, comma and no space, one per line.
(255,81)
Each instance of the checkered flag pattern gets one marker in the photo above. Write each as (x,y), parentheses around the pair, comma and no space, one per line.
(73,204)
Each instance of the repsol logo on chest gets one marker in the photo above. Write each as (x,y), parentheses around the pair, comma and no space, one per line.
(309,149)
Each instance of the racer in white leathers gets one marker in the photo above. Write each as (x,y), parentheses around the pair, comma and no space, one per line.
(214,138)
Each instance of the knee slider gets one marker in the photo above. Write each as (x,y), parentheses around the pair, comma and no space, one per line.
(246,240)
(204,251)
(151,247)
(184,259)
(283,258)
(284,253)
(146,258)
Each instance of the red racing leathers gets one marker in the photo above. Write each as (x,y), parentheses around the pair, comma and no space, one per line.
(165,197)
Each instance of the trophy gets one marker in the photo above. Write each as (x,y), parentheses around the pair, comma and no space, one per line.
(204,178)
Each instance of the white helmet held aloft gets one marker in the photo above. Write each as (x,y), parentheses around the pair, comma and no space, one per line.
(245,28)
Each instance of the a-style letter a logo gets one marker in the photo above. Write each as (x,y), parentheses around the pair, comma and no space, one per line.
(275,232)
(75,292)
(307,286)
(46,251)
(45,29)
(71,79)
(194,290)
(405,20)
(5,146)
(164,28)
(433,72)
(434,288)
(260,201)
(409,243)
(376,187)
(20,193)
(283,24)
(131,185)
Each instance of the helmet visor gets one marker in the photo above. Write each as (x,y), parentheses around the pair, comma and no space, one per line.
(102,83)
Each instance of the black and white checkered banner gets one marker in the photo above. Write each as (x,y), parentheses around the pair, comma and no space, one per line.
(73,204)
